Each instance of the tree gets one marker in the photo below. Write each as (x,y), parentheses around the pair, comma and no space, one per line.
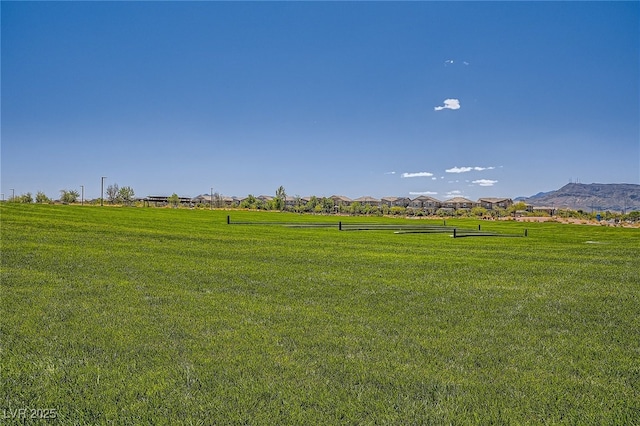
(297,204)
(174,200)
(42,198)
(125,194)
(327,205)
(479,211)
(517,207)
(355,208)
(311,204)
(25,198)
(633,216)
(398,210)
(249,202)
(112,193)
(280,201)
(69,196)
(218,201)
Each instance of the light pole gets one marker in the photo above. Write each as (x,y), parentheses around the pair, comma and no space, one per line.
(211,200)
(13,195)
(102,191)
(82,196)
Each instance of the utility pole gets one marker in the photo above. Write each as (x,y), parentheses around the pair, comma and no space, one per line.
(211,200)
(13,195)
(82,196)
(102,191)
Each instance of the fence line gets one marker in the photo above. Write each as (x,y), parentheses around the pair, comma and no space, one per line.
(397,227)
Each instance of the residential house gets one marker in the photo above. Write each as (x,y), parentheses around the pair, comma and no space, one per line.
(395,201)
(230,201)
(264,198)
(495,203)
(341,200)
(291,202)
(459,203)
(425,203)
(366,200)
(202,199)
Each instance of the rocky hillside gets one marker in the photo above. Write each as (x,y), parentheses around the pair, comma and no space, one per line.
(591,197)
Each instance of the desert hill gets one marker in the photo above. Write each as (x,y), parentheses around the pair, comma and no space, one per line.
(619,197)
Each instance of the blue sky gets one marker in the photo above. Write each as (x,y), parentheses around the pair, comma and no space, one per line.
(475,99)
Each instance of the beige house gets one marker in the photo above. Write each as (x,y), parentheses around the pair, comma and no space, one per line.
(495,203)
(264,198)
(459,203)
(341,200)
(425,203)
(395,201)
(366,200)
(290,201)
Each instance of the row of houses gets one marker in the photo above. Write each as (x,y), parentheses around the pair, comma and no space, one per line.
(423,202)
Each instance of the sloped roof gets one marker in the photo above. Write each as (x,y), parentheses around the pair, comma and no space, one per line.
(367,199)
(340,197)
(426,198)
(493,200)
(459,200)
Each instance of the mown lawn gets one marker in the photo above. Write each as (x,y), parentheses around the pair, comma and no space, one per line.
(164,316)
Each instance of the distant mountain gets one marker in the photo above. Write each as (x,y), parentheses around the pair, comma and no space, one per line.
(538,195)
(590,197)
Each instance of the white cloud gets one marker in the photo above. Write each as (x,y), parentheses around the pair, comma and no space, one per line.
(468,169)
(452,194)
(449,104)
(448,62)
(434,178)
(417,174)
(389,173)
(423,193)
(459,169)
(485,182)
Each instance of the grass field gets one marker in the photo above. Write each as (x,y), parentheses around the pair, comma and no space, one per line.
(171,316)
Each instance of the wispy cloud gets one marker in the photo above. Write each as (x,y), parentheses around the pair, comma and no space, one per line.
(459,169)
(417,174)
(389,173)
(449,104)
(485,182)
(423,193)
(452,194)
(467,169)
(450,62)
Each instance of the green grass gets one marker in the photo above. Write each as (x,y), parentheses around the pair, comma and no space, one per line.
(162,316)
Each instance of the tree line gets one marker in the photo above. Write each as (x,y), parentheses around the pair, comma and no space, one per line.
(114,195)
(320,205)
